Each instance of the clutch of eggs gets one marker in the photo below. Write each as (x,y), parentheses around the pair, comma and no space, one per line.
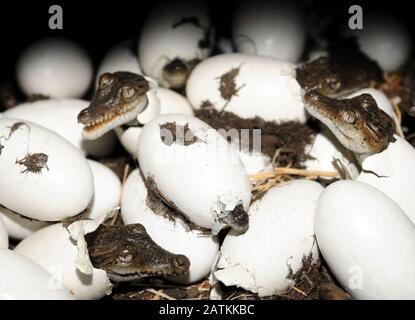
(56,68)
(44,177)
(267,256)
(248,86)
(201,174)
(200,248)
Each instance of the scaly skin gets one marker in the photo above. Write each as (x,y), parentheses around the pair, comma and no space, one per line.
(346,70)
(357,123)
(128,253)
(119,98)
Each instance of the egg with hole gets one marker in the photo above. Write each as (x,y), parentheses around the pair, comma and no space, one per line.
(393,173)
(44,177)
(367,241)
(60,116)
(107,190)
(248,86)
(22,279)
(169,102)
(19,227)
(138,205)
(173,39)
(54,67)
(385,39)
(4,237)
(278,244)
(277,30)
(200,161)
(122,57)
(53,249)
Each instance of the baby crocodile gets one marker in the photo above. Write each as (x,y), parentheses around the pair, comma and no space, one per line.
(357,123)
(128,253)
(119,98)
(344,71)
(177,71)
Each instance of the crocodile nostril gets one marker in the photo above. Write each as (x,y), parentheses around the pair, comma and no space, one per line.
(182,262)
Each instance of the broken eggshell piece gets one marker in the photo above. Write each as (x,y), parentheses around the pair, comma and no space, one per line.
(279,240)
(172,234)
(248,86)
(367,241)
(54,249)
(162,101)
(19,227)
(23,279)
(44,177)
(174,33)
(196,170)
(60,116)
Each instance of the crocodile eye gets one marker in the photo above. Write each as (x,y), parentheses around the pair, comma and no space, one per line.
(125,257)
(349,117)
(128,93)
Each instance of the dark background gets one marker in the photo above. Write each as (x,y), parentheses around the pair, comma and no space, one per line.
(97,25)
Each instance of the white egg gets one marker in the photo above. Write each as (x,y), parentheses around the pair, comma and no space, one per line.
(167,34)
(209,178)
(60,116)
(4,237)
(1,115)
(280,235)
(392,171)
(169,101)
(43,176)
(22,279)
(385,39)
(120,58)
(325,151)
(276,29)
(107,193)
(264,87)
(53,249)
(255,162)
(199,248)
(381,99)
(17,226)
(54,67)
(225,45)
(367,241)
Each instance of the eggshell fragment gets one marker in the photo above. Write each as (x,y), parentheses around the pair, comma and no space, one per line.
(4,238)
(267,256)
(22,279)
(385,39)
(44,177)
(53,249)
(167,34)
(17,226)
(107,190)
(120,58)
(367,241)
(54,67)
(248,86)
(174,236)
(392,172)
(277,30)
(60,116)
(207,168)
